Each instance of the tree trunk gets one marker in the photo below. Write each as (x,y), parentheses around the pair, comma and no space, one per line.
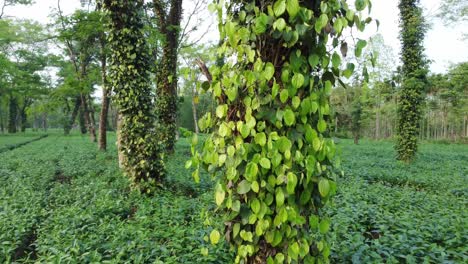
(377,124)
(87,117)
(102,141)
(2,127)
(465,128)
(166,80)
(68,126)
(194,110)
(82,121)
(13,112)
(121,154)
(44,121)
(356,139)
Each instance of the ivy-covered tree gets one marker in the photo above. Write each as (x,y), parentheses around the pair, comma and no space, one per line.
(414,72)
(169,15)
(129,67)
(270,146)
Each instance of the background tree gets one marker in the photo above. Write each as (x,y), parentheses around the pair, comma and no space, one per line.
(414,71)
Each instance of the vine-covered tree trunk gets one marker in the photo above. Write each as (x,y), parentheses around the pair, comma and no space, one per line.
(128,75)
(102,141)
(12,114)
(414,78)
(270,148)
(166,76)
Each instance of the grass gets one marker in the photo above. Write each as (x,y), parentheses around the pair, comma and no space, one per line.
(61,200)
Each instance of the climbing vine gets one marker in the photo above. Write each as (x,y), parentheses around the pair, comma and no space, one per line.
(414,79)
(129,78)
(269,147)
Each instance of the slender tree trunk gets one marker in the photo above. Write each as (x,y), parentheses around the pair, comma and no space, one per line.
(194,109)
(465,128)
(102,141)
(377,124)
(82,121)
(13,112)
(76,108)
(44,121)
(91,115)
(87,117)
(121,154)
(2,127)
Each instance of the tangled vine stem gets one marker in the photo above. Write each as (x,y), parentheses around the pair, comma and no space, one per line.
(128,72)
(270,142)
(411,97)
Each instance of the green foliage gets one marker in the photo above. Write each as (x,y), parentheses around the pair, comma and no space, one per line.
(389,212)
(63,200)
(413,29)
(11,142)
(270,144)
(129,78)
(82,210)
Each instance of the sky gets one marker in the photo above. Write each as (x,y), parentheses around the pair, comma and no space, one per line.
(444,45)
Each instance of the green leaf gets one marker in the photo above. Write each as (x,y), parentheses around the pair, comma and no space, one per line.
(279,197)
(359,46)
(293,251)
(284,95)
(255,205)
(293,8)
(279,7)
(298,80)
(236,206)
(221,111)
(360,4)
(231,151)
(279,24)
(260,138)
(243,187)
(251,171)
(235,230)
(316,143)
(220,194)
(289,117)
(261,24)
(338,26)
(321,126)
(265,163)
(222,131)
(284,144)
(324,226)
(214,237)
(314,60)
(255,187)
(292,182)
(324,187)
(336,60)
(269,71)
(321,22)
